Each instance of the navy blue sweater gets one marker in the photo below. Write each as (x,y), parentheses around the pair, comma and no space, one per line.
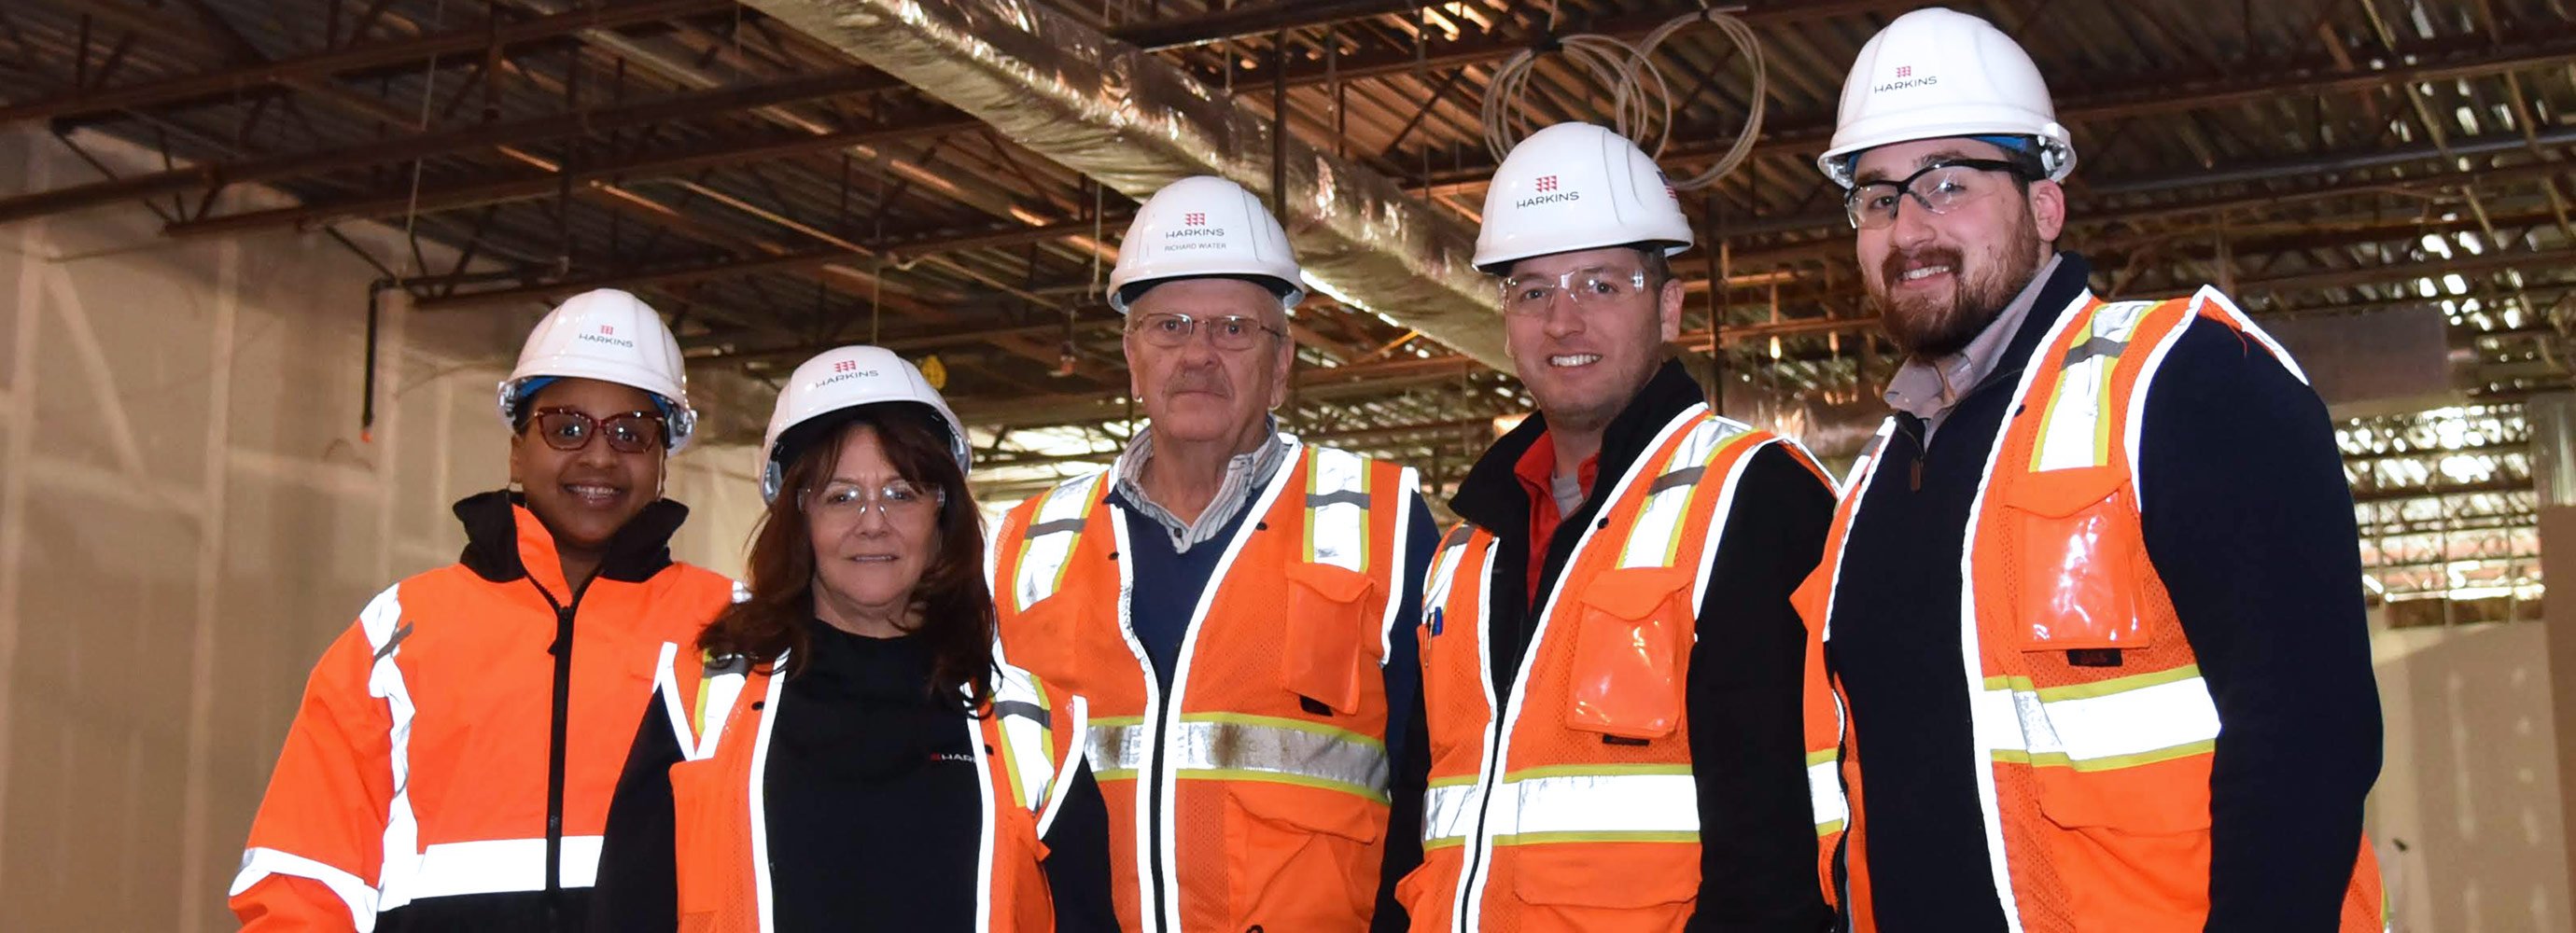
(2249,523)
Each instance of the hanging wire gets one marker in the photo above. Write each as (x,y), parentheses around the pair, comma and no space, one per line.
(428,93)
(1641,101)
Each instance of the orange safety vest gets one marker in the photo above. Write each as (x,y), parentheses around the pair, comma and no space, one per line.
(720,835)
(2096,794)
(1252,792)
(417,768)
(1578,811)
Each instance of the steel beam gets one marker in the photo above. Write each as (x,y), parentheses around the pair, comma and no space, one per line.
(323,64)
(543,184)
(441,143)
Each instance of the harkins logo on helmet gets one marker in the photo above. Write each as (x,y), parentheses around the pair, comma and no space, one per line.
(845,366)
(1905,78)
(1546,183)
(1194,224)
(607,335)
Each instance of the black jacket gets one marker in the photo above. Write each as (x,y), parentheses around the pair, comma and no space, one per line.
(2248,522)
(874,806)
(1757,833)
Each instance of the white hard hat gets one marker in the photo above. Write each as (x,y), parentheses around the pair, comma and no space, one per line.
(611,336)
(1204,227)
(841,379)
(1936,73)
(1576,186)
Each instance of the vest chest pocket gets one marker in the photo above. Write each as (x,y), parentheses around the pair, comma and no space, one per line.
(1331,634)
(1042,638)
(2075,560)
(1633,626)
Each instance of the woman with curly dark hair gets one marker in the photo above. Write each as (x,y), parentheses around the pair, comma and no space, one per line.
(842,750)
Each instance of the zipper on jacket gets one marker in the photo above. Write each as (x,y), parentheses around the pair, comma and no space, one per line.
(561,649)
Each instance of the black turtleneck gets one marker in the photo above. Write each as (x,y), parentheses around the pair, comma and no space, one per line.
(1748,751)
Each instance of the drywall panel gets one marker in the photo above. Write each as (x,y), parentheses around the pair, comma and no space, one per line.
(2466,814)
(189,513)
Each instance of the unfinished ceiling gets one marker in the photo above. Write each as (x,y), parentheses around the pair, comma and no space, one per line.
(776,193)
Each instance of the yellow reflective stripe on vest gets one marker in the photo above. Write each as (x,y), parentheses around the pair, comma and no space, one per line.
(1448,812)
(719,685)
(2098,726)
(1825,792)
(2074,431)
(1337,505)
(1596,803)
(1240,747)
(1028,736)
(1052,533)
(1658,531)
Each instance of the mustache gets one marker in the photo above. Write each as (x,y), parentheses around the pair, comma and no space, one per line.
(1892,269)
(1211,380)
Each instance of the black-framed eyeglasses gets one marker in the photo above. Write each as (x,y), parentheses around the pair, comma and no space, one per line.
(567,430)
(1225,332)
(1940,186)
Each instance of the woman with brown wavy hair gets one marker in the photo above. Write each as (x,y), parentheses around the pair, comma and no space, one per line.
(841,750)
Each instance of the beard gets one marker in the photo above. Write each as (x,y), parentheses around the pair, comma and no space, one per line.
(1927,328)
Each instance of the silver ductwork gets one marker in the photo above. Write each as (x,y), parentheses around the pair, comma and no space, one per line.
(1135,123)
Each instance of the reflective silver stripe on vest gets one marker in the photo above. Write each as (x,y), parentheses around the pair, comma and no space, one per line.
(1234,746)
(1052,533)
(1448,813)
(1028,735)
(1117,747)
(1238,747)
(2074,431)
(1596,803)
(1825,792)
(2097,726)
(1658,531)
(1337,507)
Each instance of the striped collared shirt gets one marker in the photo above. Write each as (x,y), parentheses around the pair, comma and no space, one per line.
(1244,474)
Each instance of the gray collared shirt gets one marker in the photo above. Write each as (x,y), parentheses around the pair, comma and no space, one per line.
(1928,390)
(1245,474)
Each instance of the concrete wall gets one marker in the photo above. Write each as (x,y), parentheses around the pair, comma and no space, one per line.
(2471,781)
(188,515)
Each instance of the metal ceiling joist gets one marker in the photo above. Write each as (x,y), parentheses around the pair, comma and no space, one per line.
(548,183)
(323,64)
(461,139)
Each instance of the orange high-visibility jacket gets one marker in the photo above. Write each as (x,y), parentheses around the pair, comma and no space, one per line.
(415,780)
(2097,796)
(1580,812)
(1253,791)
(1031,744)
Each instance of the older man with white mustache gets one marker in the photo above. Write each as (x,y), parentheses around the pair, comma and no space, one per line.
(1239,607)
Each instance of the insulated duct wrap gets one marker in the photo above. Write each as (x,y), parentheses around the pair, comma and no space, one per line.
(1135,123)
